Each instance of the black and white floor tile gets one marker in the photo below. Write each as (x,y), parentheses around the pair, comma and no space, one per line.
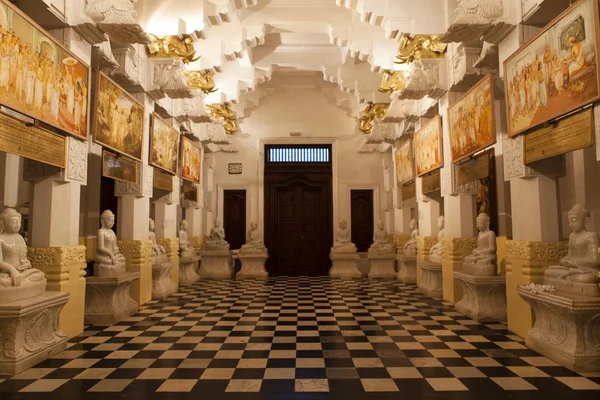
(299,338)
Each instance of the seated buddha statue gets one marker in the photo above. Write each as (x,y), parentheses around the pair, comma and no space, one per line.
(18,279)
(380,241)
(159,255)
(254,241)
(186,250)
(483,260)
(216,241)
(410,248)
(435,253)
(343,240)
(581,264)
(109,260)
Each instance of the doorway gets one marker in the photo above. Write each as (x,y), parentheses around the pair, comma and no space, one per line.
(234,217)
(361,214)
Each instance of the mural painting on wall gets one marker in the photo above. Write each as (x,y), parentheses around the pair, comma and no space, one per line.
(471,120)
(119,122)
(164,145)
(405,170)
(191,156)
(556,71)
(428,147)
(40,78)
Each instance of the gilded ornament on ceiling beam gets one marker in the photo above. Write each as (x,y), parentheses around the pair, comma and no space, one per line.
(172,46)
(418,47)
(372,111)
(392,81)
(224,112)
(199,80)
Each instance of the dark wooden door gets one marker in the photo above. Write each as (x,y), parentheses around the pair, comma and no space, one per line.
(234,215)
(361,212)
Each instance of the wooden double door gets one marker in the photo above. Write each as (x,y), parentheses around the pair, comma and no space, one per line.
(298,234)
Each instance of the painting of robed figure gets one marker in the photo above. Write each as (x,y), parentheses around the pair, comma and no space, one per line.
(164,145)
(191,157)
(556,72)
(428,147)
(405,165)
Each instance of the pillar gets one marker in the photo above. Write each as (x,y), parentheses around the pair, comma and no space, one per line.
(9,180)
(54,230)
(429,212)
(193,215)
(165,218)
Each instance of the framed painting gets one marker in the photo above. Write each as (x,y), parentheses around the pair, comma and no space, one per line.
(191,157)
(556,71)
(428,147)
(39,77)
(405,165)
(164,145)
(472,120)
(119,119)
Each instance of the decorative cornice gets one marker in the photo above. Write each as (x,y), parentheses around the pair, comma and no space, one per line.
(77,161)
(199,80)
(129,74)
(392,81)
(371,112)
(417,47)
(103,57)
(169,79)
(226,114)
(180,47)
(118,19)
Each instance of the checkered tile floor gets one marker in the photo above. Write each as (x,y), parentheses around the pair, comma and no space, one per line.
(299,338)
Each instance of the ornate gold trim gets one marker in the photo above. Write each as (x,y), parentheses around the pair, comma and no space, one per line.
(172,46)
(224,112)
(424,244)
(135,246)
(536,251)
(199,80)
(371,112)
(418,47)
(392,81)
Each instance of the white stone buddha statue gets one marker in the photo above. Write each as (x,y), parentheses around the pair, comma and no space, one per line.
(380,240)
(410,248)
(18,279)
(109,260)
(343,240)
(483,260)
(186,250)
(254,241)
(435,253)
(216,239)
(159,255)
(581,264)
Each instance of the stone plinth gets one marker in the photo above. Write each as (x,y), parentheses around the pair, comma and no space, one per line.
(424,245)
(407,269)
(65,271)
(162,284)
(484,297)
(525,264)
(431,280)
(138,254)
(253,266)
(187,270)
(108,300)
(566,329)
(383,265)
(454,252)
(344,265)
(215,265)
(171,246)
(29,331)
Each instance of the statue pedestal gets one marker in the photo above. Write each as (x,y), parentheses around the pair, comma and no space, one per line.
(253,266)
(383,265)
(29,331)
(431,280)
(344,265)
(187,270)
(407,269)
(215,265)
(162,284)
(107,300)
(566,329)
(484,297)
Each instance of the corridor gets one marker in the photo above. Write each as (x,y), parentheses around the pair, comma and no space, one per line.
(298,338)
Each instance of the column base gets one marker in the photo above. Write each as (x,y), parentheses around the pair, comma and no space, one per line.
(566,329)
(215,265)
(29,331)
(253,266)
(108,301)
(187,271)
(431,280)
(484,297)
(162,284)
(383,265)
(407,269)
(344,266)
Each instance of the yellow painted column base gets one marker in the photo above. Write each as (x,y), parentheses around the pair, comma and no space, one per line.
(171,246)
(424,244)
(454,251)
(138,255)
(65,271)
(525,264)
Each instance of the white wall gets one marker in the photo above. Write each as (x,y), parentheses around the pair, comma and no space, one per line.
(317,118)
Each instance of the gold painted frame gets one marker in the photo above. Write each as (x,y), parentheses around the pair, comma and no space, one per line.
(172,137)
(425,137)
(404,160)
(191,160)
